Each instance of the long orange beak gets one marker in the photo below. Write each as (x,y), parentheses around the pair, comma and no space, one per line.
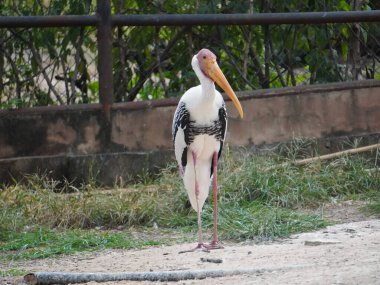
(217,75)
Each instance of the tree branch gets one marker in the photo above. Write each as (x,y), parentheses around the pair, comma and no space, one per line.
(158,56)
(147,73)
(45,75)
(276,65)
(248,42)
(231,58)
(73,79)
(327,156)
(121,79)
(37,56)
(257,65)
(233,62)
(15,74)
(65,79)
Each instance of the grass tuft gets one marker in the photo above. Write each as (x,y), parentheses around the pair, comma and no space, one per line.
(261,197)
(372,209)
(42,242)
(12,273)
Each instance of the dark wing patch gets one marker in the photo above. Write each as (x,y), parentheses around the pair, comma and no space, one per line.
(223,126)
(222,123)
(182,120)
(184,158)
(191,130)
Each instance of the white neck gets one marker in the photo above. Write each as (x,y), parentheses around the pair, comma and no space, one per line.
(208,86)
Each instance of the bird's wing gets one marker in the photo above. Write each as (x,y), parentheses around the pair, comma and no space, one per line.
(223,125)
(222,130)
(180,132)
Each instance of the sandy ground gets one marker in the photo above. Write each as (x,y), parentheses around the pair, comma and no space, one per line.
(347,253)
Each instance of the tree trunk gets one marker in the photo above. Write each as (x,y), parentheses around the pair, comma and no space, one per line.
(247,44)
(266,49)
(2,62)
(355,44)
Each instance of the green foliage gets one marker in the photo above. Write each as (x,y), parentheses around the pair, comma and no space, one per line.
(13,103)
(46,66)
(154,62)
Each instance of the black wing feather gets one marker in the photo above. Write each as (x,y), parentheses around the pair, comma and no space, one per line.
(191,129)
(182,120)
(222,123)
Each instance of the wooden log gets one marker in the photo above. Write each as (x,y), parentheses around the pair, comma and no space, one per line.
(326,156)
(48,278)
(337,154)
(373,170)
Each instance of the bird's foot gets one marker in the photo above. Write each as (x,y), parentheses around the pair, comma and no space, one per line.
(199,247)
(215,244)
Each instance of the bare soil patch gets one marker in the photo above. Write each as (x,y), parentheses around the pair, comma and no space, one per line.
(346,253)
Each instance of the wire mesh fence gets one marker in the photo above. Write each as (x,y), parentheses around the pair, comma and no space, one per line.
(48,66)
(58,66)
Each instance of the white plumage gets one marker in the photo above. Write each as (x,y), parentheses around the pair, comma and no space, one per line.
(199,128)
(203,111)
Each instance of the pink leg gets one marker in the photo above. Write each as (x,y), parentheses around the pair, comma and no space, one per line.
(200,245)
(215,242)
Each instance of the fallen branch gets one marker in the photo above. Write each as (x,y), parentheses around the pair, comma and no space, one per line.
(327,156)
(372,170)
(337,154)
(47,278)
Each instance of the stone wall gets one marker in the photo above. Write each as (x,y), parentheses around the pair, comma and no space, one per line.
(77,142)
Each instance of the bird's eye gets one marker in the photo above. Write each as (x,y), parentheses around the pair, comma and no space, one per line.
(204,57)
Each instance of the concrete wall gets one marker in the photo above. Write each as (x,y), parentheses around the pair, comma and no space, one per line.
(78,142)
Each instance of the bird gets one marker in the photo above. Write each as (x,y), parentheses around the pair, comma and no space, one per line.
(198,131)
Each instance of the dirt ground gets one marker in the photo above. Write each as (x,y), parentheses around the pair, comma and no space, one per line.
(347,253)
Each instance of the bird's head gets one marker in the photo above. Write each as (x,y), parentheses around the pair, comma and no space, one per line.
(210,68)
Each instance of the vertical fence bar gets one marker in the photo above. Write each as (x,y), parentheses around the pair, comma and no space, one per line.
(104,37)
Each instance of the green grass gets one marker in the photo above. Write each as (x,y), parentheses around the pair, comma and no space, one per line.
(372,209)
(42,243)
(255,221)
(12,273)
(260,198)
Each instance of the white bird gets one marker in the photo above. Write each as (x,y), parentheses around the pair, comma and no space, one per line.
(199,129)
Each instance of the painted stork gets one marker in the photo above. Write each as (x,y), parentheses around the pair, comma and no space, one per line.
(199,129)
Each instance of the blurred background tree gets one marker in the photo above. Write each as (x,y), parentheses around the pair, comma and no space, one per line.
(58,65)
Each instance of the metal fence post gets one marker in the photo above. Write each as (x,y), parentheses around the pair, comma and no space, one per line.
(104,37)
